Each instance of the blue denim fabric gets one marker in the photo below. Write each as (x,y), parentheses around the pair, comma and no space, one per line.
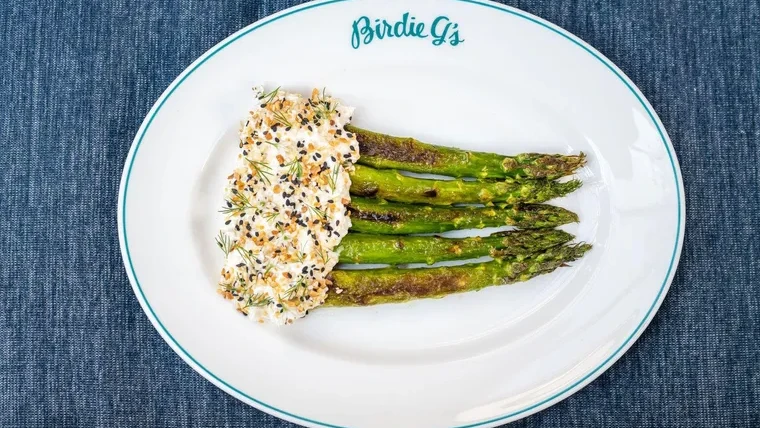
(76,79)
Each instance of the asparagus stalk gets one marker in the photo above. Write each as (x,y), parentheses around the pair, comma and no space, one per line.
(394,285)
(389,218)
(392,186)
(388,152)
(362,248)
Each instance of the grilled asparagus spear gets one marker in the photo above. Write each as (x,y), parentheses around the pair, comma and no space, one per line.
(385,151)
(389,218)
(390,185)
(362,248)
(393,285)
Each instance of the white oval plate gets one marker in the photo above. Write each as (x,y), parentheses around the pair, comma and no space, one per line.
(515,84)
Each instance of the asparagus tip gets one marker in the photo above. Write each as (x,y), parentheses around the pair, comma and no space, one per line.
(568,187)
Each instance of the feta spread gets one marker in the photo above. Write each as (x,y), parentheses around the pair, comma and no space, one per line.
(285,205)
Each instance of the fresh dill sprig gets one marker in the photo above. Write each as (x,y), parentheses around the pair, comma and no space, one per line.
(225,244)
(234,286)
(320,213)
(323,257)
(324,109)
(268,269)
(292,291)
(295,167)
(280,116)
(228,286)
(262,169)
(246,256)
(269,96)
(332,178)
(237,203)
(301,253)
(271,216)
(257,300)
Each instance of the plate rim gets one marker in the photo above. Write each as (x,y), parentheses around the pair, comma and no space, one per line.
(281,413)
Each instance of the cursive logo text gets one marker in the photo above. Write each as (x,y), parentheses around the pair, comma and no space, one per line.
(441,30)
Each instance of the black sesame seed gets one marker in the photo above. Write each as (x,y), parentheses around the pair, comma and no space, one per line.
(339,132)
(349,135)
(258,143)
(347,155)
(333,158)
(227,222)
(352,148)
(310,128)
(277,140)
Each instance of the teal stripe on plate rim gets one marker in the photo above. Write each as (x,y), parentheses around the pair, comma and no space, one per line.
(494,6)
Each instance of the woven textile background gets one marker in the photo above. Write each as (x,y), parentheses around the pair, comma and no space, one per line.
(76,79)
